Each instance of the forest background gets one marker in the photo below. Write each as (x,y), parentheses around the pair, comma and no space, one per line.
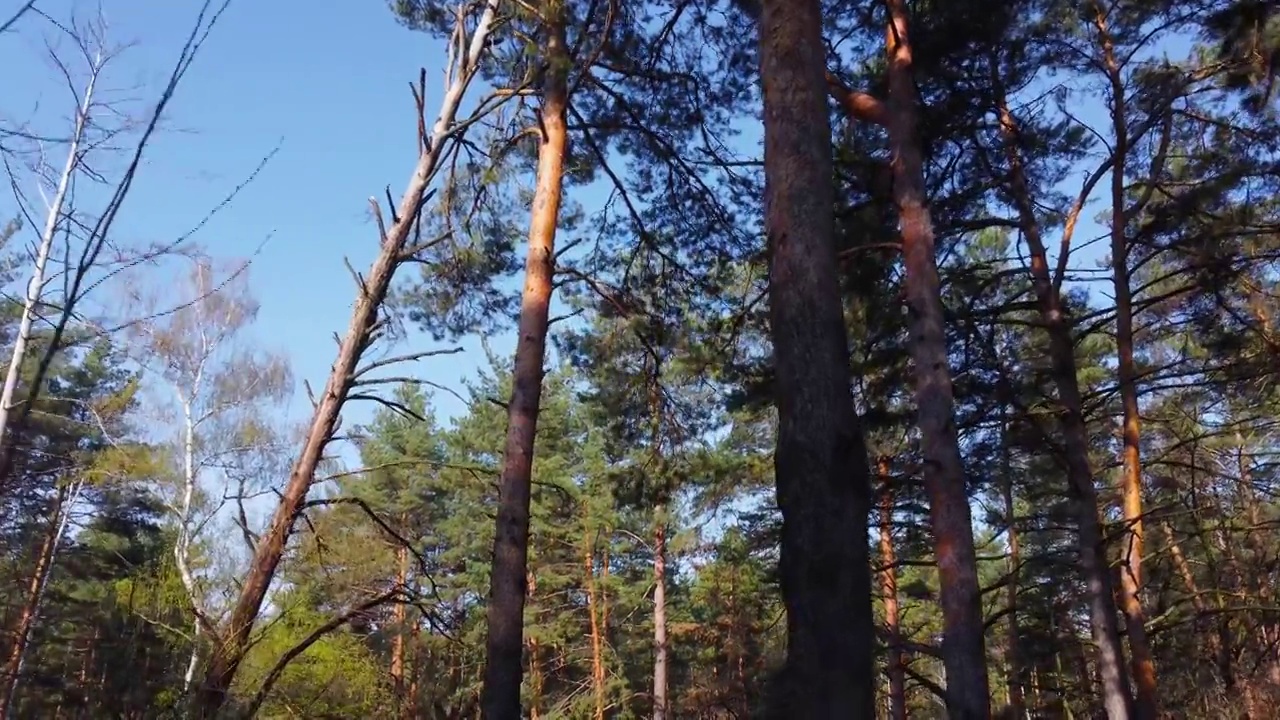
(202,511)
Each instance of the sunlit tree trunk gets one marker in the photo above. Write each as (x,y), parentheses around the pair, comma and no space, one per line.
(595,603)
(1093,560)
(889,589)
(963,645)
(505,644)
(1146,705)
(660,614)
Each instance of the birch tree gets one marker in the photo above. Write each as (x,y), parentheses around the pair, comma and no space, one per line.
(218,388)
(47,168)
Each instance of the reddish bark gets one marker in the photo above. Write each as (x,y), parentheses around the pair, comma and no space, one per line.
(823,482)
(963,647)
(1146,706)
(1093,561)
(889,589)
(505,644)
(31,606)
(597,645)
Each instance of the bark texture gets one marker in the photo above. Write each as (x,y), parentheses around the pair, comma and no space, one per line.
(504,646)
(963,647)
(823,482)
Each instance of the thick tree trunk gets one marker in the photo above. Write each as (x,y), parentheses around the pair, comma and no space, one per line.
(896,662)
(228,651)
(1093,560)
(963,646)
(1147,705)
(660,614)
(503,671)
(823,483)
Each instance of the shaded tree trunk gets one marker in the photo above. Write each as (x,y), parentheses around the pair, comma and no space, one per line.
(823,482)
(504,646)
(1013,635)
(1093,561)
(1013,651)
(963,645)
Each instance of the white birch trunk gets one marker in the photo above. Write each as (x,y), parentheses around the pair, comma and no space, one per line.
(35,287)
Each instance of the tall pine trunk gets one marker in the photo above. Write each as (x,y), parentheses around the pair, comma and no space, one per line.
(963,648)
(896,662)
(1093,559)
(1146,706)
(659,543)
(823,482)
(505,644)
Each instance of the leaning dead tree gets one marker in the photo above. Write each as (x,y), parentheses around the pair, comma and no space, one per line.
(400,242)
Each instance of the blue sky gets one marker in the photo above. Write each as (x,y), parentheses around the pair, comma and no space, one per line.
(329,87)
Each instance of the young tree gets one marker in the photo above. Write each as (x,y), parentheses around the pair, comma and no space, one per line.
(219,390)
